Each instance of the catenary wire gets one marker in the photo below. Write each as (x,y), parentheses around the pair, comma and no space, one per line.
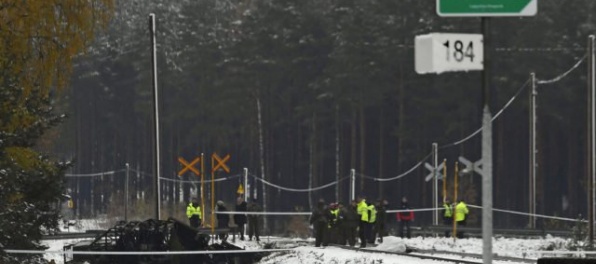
(563,75)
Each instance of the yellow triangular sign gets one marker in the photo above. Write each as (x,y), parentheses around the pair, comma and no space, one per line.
(240,189)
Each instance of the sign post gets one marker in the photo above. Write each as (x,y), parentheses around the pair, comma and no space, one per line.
(485,8)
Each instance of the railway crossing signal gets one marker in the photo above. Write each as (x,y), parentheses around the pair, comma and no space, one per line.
(221,163)
(432,170)
(217,163)
(189,166)
(471,167)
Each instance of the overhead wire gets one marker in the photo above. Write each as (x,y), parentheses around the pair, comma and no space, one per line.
(455,143)
(398,176)
(298,190)
(563,75)
(96,174)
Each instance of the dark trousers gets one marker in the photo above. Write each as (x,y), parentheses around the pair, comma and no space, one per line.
(194,221)
(253,229)
(372,235)
(404,225)
(222,224)
(460,233)
(448,222)
(362,233)
(379,230)
(347,234)
(320,230)
(240,231)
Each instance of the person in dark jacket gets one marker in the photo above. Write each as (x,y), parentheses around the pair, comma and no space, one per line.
(222,219)
(379,229)
(240,219)
(318,219)
(254,220)
(404,217)
(348,224)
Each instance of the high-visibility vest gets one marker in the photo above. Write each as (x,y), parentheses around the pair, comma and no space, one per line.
(362,210)
(448,210)
(373,214)
(461,210)
(191,210)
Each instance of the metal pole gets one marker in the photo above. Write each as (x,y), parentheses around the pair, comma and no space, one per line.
(246,185)
(204,220)
(245,192)
(455,187)
(487,158)
(156,186)
(352,185)
(591,138)
(126,194)
(532,182)
(435,183)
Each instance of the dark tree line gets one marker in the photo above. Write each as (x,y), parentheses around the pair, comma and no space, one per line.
(326,86)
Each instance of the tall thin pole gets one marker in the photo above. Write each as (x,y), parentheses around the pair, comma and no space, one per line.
(203,189)
(591,138)
(156,186)
(455,187)
(126,193)
(245,192)
(532,180)
(487,158)
(352,185)
(246,185)
(435,183)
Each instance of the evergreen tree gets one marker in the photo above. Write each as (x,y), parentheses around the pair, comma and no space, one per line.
(38,40)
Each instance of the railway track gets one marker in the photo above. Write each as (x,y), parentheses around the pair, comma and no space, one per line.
(458,257)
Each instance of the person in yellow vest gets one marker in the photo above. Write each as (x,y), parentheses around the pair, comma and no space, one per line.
(362,210)
(461,215)
(332,224)
(447,215)
(193,212)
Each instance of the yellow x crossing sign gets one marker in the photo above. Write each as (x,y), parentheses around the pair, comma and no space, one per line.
(221,163)
(189,166)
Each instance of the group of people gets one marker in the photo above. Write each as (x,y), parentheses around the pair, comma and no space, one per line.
(455,212)
(340,224)
(194,214)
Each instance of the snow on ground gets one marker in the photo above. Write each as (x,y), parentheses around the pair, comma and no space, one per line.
(303,251)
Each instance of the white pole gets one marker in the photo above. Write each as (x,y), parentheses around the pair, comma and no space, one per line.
(246,185)
(532,185)
(126,194)
(592,136)
(156,186)
(352,185)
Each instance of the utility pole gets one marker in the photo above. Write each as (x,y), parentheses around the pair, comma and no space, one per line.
(591,138)
(533,167)
(487,158)
(156,161)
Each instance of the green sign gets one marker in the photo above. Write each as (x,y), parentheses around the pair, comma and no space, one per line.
(458,8)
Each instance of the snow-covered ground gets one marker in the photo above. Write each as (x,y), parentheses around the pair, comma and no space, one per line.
(303,252)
